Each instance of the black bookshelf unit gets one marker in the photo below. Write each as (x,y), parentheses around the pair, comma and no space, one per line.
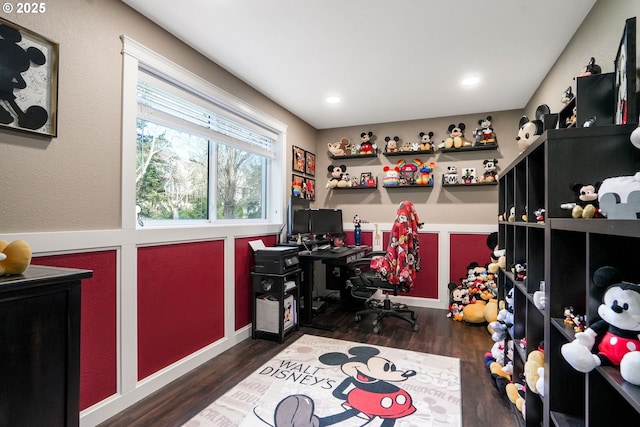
(564,253)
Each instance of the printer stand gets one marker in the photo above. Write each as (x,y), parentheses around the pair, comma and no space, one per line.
(275,304)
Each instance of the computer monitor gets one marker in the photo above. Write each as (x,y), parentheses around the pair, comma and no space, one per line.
(295,204)
(300,223)
(326,221)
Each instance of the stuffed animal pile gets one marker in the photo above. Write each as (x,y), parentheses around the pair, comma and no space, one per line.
(474,298)
(503,325)
(499,364)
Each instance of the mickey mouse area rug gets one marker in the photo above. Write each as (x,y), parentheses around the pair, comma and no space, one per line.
(319,381)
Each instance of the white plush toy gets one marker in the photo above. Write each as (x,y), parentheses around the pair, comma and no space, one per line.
(619,197)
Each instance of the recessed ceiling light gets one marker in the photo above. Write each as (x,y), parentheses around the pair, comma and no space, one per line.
(333,99)
(471,81)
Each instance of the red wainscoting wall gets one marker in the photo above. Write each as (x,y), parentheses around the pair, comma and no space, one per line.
(426,283)
(465,249)
(98,358)
(243,264)
(180,302)
(366,238)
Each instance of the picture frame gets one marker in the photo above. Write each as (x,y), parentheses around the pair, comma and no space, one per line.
(298,159)
(33,104)
(468,176)
(310,164)
(625,110)
(310,189)
(366,179)
(298,186)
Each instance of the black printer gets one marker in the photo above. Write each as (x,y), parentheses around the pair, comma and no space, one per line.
(276,260)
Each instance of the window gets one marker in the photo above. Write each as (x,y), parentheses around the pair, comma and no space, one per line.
(183,146)
(201,155)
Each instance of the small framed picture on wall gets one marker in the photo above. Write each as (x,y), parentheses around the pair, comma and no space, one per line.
(310,189)
(310,164)
(299,160)
(297,186)
(366,179)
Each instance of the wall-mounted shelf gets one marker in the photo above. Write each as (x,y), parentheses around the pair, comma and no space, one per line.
(354,156)
(475,184)
(478,147)
(408,153)
(358,187)
(408,186)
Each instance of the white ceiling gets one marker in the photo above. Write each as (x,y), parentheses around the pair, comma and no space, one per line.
(388,60)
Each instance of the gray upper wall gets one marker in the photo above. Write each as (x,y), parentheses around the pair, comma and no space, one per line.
(72,182)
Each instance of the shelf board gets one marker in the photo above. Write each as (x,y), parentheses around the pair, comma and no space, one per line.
(566,330)
(616,227)
(482,147)
(521,352)
(523,224)
(564,420)
(509,275)
(408,153)
(353,156)
(408,186)
(520,285)
(630,392)
(357,187)
(476,184)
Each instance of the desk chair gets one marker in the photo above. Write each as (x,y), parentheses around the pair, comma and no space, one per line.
(392,271)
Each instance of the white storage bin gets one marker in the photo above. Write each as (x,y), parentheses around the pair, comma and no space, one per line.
(268,315)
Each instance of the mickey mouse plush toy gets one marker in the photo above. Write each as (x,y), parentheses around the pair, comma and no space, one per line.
(618,331)
(425,141)
(366,145)
(456,136)
(586,205)
(392,144)
(336,173)
(485,132)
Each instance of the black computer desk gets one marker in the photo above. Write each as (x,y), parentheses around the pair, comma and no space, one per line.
(333,259)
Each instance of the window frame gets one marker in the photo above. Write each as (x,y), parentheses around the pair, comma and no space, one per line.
(138,58)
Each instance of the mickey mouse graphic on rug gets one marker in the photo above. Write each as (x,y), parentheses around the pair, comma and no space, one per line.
(370,392)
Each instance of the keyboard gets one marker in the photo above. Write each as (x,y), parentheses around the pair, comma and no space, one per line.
(339,249)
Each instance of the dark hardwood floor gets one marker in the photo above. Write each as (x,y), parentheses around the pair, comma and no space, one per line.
(482,404)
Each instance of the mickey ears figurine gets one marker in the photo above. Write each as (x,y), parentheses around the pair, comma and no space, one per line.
(590,69)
